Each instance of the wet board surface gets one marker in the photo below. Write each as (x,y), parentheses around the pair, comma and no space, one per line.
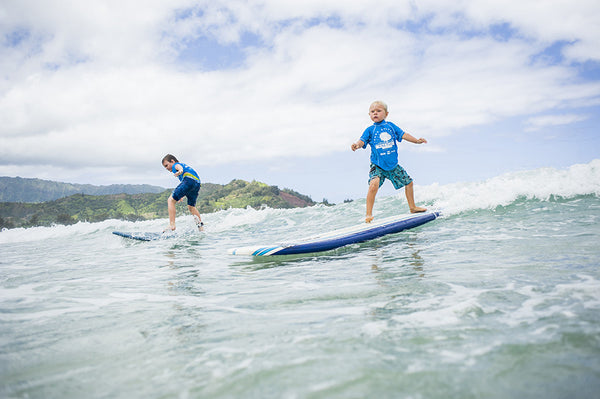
(151,236)
(338,238)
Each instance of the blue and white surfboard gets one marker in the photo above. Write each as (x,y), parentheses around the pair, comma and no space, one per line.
(151,236)
(338,238)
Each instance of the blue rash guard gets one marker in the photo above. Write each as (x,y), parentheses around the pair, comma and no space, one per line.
(189,186)
(187,172)
(382,138)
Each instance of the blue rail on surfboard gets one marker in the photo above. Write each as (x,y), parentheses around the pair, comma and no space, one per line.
(338,238)
(142,236)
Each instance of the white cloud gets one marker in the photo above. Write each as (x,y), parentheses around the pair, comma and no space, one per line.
(540,122)
(101,86)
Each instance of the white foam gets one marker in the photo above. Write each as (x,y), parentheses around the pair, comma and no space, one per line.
(374,328)
(541,184)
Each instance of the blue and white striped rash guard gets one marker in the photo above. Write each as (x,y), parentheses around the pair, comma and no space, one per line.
(187,172)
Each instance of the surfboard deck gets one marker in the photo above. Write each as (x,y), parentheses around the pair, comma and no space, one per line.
(340,237)
(148,236)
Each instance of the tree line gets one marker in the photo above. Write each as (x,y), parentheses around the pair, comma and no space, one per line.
(146,206)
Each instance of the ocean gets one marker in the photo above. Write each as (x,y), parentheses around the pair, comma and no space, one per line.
(498,298)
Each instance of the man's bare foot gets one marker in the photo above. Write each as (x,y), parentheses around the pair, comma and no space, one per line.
(417,209)
(369,219)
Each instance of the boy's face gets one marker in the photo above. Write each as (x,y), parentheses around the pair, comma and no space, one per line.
(169,165)
(377,113)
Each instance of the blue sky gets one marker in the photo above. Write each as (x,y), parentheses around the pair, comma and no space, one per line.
(278,90)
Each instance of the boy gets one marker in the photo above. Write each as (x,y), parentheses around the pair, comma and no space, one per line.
(189,187)
(382,137)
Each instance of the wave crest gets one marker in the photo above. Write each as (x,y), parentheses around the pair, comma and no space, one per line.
(541,184)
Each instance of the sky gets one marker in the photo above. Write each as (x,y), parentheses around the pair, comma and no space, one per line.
(277,90)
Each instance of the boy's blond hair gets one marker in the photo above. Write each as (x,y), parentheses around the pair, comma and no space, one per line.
(378,102)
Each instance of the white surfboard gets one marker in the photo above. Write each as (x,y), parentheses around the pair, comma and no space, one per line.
(338,238)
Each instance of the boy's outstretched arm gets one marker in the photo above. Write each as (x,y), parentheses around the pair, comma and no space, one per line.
(412,139)
(357,145)
(179,170)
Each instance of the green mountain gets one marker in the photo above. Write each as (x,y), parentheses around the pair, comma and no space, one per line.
(95,208)
(18,189)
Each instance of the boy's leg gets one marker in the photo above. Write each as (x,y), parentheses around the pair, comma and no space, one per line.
(373,188)
(171,207)
(192,196)
(196,214)
(410,198)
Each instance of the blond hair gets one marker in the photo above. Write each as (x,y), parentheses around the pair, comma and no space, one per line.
(384,105)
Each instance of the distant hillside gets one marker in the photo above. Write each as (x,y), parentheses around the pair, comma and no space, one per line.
(18,189)
(95,208)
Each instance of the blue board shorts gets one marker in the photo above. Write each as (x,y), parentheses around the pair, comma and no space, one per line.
(397,176)
(187,188)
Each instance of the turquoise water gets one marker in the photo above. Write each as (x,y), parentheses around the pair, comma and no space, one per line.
(499,298)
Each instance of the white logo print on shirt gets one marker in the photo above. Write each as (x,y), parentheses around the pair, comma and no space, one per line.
(386,141)
(385,136)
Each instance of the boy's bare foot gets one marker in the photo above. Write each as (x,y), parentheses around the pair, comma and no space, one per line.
(170,228)
(199,223)
(417,209)
(369,219)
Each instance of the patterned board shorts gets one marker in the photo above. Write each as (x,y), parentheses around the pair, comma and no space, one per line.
(397,176)
(187,188)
